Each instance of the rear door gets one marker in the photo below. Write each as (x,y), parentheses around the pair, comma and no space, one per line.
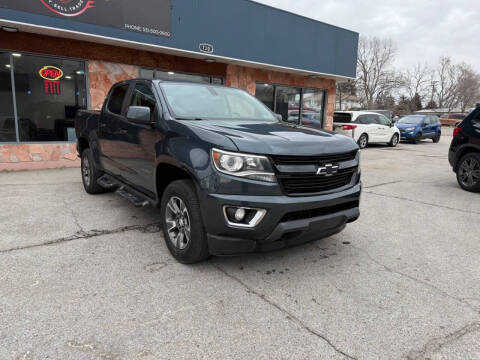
(372,127)
(138,139)
(428,129)
(109,126)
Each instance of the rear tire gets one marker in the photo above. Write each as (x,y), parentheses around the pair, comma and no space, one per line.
(182,223)
(363,141)
(90,174)
(437,137)
(468,172)
(394,141)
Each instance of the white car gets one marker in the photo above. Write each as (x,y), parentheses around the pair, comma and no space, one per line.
(366,127)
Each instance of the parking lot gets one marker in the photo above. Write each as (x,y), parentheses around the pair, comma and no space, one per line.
(90,277)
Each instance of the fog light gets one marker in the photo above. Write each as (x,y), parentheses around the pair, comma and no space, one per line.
(243,216)
(240,214)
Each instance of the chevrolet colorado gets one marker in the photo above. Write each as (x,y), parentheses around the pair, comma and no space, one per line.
(228,175)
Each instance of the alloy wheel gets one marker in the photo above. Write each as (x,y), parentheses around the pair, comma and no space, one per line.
(363,142)
(395,140)
(178,223)
(469,172)
(86,172)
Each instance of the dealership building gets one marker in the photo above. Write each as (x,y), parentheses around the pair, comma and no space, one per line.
(58,56)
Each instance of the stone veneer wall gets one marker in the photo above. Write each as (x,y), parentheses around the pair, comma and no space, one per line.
(38,156)
(246,78)
(102,75)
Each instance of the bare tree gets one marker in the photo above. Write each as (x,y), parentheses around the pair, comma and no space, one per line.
(447,74)
(375,76)
(417,81)
(468,87)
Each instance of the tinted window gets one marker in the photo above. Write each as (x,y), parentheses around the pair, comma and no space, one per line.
(426,120)
(367,119)
(7,118)
(143,96)
(342,118)
(116,99)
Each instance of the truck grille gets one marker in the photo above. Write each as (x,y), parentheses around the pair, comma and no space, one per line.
(312,183)
(301,183)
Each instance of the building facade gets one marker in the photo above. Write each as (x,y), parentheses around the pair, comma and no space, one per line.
(58,56)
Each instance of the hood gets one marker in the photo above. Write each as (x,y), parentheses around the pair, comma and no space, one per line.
(405,126)
(278,138)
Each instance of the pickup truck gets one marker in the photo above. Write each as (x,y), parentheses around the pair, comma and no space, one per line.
(228,175)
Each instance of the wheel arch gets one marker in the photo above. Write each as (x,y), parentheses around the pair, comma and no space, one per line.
(464,150)
(166,173)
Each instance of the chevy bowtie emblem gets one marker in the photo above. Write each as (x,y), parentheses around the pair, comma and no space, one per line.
(328,170)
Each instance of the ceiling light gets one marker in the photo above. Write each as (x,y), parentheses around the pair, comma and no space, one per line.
(68,77)
(16,54)
(9,29)
(8,65)
(266,84)
(171,73)
(80,72)
(209,60)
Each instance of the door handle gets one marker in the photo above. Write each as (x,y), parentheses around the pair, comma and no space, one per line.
(102,125)
(121,131)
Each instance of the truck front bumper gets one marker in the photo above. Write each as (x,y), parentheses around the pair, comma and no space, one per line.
(289,221)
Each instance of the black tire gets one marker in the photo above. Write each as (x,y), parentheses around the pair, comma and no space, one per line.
(417,138)
(437,137)
(196,249)
(394,140)
(363,141)
(464,180)
(90,174)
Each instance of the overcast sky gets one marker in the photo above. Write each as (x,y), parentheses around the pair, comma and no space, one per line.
(423,30)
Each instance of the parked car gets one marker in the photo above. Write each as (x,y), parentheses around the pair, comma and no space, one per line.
(228,175)
(464,153)
(366,127)
(413,128)
(452,119)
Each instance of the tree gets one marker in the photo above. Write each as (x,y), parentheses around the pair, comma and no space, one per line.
(375,75)
(345,89)
(417,81)
(431,105)
(468,87)
(416,103)
(447,84)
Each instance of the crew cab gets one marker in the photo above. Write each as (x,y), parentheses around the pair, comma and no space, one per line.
(366,127)
(228,175)
(464,153)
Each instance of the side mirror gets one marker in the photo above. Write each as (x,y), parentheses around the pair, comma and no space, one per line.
(140,114)
(279,117)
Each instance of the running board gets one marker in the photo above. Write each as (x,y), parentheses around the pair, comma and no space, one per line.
(136,198)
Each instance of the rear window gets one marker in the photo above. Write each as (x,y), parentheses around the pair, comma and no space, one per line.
(342,118)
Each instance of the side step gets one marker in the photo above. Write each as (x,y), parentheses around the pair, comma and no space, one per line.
(125,191)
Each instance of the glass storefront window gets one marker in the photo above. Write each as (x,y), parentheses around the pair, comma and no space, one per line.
(287,103)
(312,107)
(48,93)
(7,116)
(265,93)
(290,102)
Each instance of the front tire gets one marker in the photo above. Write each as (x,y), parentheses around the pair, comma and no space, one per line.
(363,141)
(468,172)
(90,174)
(394,141)
(437,137)
(182,223)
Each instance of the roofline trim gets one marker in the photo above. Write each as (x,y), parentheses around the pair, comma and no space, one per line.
(181,51)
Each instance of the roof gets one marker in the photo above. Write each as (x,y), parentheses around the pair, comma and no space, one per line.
(241,32)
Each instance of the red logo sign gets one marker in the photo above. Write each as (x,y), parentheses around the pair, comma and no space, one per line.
(68,7)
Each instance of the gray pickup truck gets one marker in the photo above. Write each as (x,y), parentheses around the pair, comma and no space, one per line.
(228,175)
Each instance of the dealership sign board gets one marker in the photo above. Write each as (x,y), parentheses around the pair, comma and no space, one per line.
(145,16)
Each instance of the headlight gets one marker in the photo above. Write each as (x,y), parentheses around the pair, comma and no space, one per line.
(411,129)
(252,167)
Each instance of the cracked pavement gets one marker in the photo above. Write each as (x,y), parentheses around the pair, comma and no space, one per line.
(89,277)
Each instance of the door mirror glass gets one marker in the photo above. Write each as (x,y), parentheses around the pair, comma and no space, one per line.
(141,114)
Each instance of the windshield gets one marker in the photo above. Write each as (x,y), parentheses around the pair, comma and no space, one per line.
(203,101)
(410,120)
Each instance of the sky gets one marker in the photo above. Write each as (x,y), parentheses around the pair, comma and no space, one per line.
(423,30)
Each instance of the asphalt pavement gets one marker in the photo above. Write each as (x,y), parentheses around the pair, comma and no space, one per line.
(90,277)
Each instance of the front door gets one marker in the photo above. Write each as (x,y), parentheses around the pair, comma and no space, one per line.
(386,131)
(111,130)
(137,141)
